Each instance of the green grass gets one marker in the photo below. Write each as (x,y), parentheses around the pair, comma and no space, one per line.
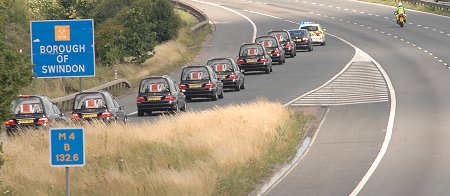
(412,6)
(242,179)
(177,52)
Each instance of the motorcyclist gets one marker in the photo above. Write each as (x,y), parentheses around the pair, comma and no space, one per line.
(400,10)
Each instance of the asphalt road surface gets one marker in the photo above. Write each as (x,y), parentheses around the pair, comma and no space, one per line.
(415,58)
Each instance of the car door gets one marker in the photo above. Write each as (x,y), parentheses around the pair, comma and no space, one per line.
(238,72)
(176,92)
(61,117)
(215,79)
(120,110)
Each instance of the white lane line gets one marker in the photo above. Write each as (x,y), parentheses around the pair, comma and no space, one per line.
(264,14)
(426,27)
(386,18)
(419,48)
(255,30)
(448,34)
(387,137)
(377,15)
(419,25)
(330,6)
(132,113)
(441,60)
(446,64)
(441,32)
(370,14)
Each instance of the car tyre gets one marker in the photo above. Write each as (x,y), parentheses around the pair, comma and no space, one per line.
(221,95)
(267,70)
(237,87)
(243,85)
(215,97)
(310,48)
(141,113)
(322,44)
(183,109)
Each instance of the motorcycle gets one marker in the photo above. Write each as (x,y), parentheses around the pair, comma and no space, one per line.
(401,19)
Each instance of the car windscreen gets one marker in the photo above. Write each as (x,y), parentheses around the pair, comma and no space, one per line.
(298,33)
(280,35)
(31,105)
(267,42)
(251,50)
(310,28)
(195,73)
(89,101)
(221,65)
(153,85)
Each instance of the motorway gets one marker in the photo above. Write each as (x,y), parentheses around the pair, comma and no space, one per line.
(353,132)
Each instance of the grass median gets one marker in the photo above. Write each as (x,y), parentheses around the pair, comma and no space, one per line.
(222,151)
(168,57)
(411,6)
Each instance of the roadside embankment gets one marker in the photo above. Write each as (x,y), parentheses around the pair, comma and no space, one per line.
(225,150)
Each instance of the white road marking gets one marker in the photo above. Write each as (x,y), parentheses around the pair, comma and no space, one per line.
(419,25)
(386,17)
(419,48)
(377,15)
(407,42)
(264,14)
(441,32)
(369,14)
(440,60)
(445,64)
(426,27)
(255,30)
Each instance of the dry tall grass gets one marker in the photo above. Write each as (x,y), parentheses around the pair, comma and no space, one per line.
(194,153)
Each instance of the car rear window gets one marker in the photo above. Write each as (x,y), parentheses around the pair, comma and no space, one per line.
(32,105)
(195,73)
(281,36)
(251,50)
(298,33)
(266,42)
(310,28)
(222,65)
(153,85)
(89,101)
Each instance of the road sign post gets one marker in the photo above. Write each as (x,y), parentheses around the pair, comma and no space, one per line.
(67,150)
(63,48)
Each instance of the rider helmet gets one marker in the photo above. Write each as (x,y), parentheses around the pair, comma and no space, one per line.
(400,4)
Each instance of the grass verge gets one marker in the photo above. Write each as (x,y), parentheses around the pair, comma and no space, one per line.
(168,57)
(222,151)
(411,6)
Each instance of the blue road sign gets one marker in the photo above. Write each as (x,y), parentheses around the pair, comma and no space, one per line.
(67,147)
(63,48)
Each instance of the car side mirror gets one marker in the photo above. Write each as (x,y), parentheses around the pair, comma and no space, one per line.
(122,107)
(324,29)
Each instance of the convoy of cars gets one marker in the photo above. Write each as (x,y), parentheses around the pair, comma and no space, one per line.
(162,93)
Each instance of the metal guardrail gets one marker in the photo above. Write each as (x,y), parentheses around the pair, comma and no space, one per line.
(66,102)
(432,3)
(199,14)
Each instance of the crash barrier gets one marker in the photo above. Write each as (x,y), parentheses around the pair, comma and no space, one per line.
(434,4)
(66,102)
(195,12)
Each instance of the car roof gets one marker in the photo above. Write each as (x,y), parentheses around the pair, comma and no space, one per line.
(221,58)
(308,25)
(273,31)
(155,77)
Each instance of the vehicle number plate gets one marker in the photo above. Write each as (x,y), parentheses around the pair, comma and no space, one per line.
(299,40)
(251,60)
(195,85)
(222,77)
(89,115)
(26,121)
(153,98)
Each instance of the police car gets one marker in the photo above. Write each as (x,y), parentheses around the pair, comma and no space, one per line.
(315,30)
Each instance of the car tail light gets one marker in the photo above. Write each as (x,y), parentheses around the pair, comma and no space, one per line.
(25,96)
(264,60)
(288,45)
(240,61)
(169,98)
(182,86)
(209,85)
(75,116)
(140,99)
(43,120)
(10,122)
(317,33)
(106,114)
(276,51)
(232,76)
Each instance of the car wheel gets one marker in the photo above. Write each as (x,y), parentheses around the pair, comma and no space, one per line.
(215,97)
(183,109)
(237,87)
(125,120)
(267,70)
(310,48)
(221,95)
(243,85)
(323,43)
(188,98)
(292,54)
(176,109)
(140,113)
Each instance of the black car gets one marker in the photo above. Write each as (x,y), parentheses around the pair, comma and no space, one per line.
(302,39)
(200,82)
(97,105)
(254,57)
(159,93)
(33,111)
(286,41)
(228,72)
(273,48)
